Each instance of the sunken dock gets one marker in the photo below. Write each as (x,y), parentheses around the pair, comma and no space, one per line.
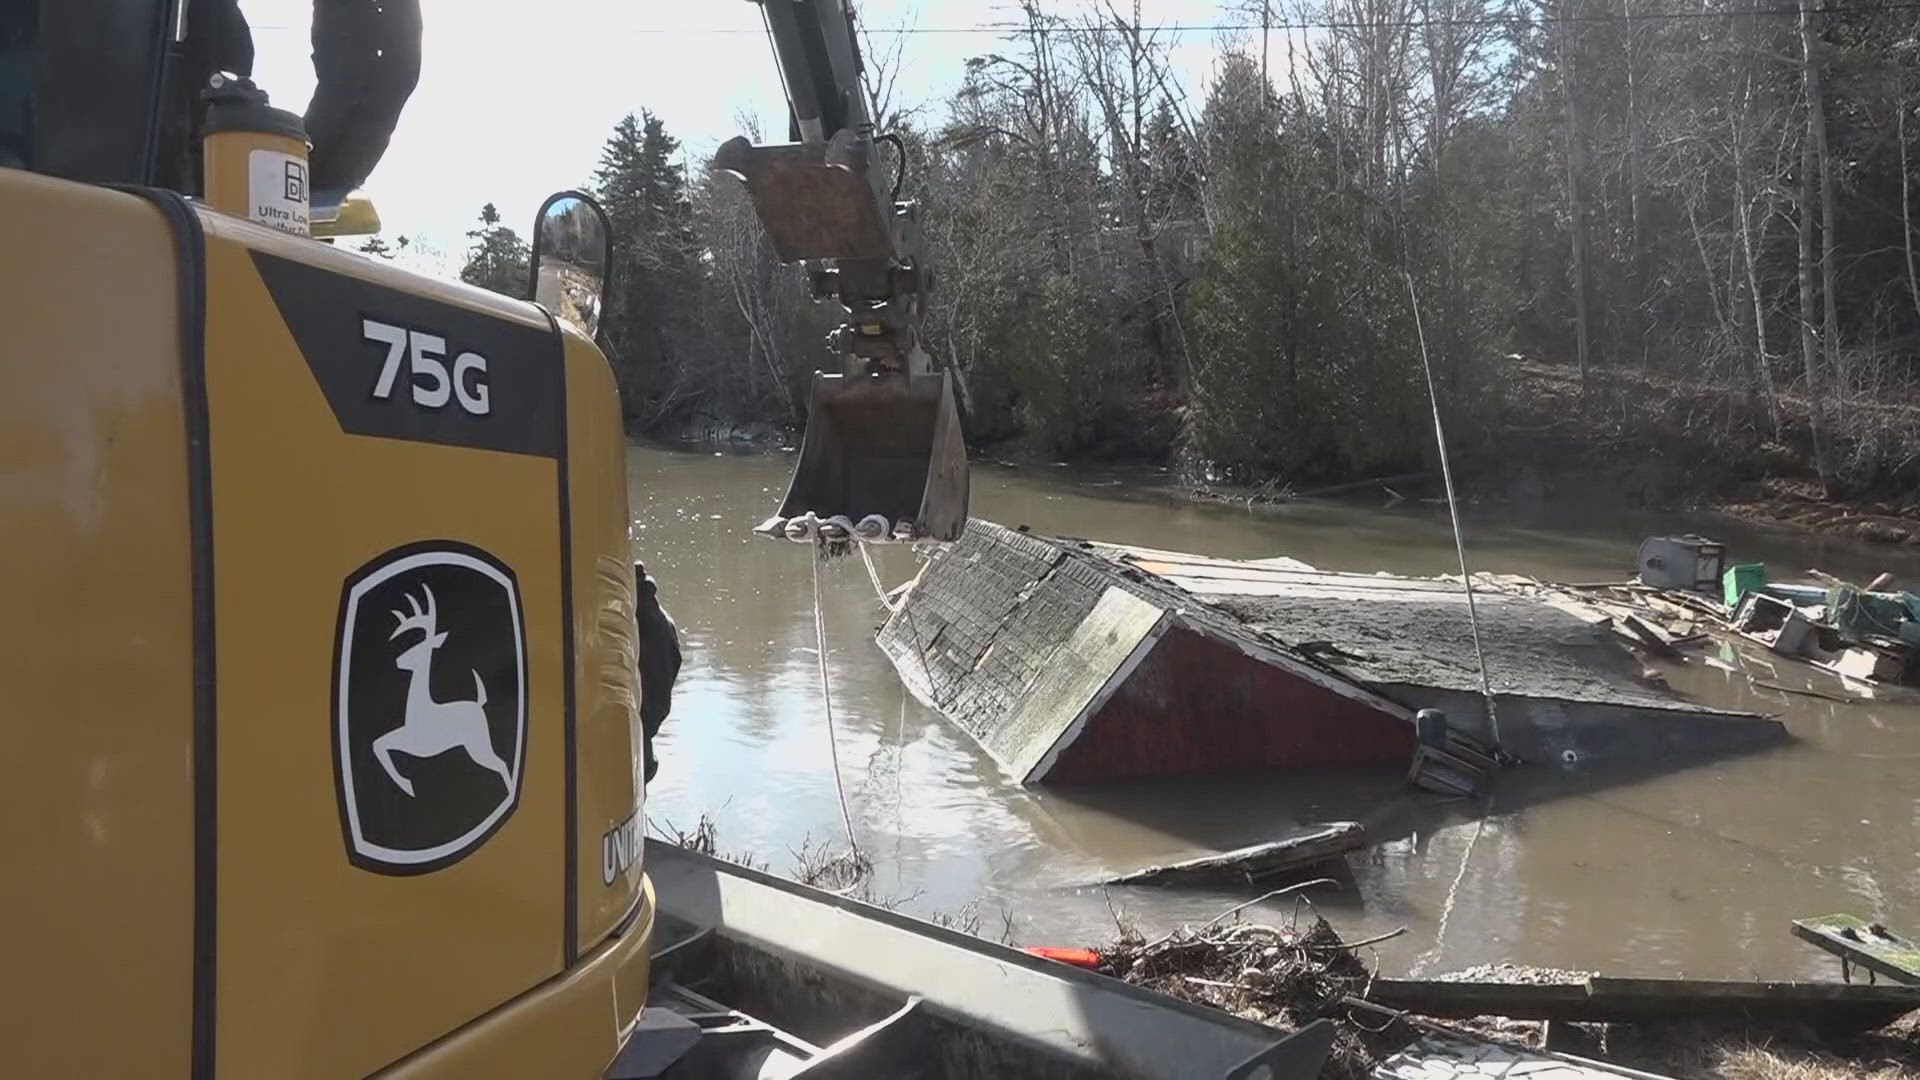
(1073,661)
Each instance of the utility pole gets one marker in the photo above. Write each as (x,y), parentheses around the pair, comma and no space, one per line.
(1266,24)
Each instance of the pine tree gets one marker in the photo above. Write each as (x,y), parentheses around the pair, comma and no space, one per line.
(497,257)
(653,303)
(1173,176)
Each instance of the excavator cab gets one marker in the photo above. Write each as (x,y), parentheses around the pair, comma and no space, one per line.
(884,457)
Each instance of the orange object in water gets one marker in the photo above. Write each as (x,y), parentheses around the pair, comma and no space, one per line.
(1080,958)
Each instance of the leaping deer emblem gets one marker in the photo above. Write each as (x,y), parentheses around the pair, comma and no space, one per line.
(432,728)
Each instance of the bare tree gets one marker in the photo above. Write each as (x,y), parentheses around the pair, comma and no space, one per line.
(1576,171)
(1809,319)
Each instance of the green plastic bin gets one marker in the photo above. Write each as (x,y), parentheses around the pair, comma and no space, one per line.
(1740,580)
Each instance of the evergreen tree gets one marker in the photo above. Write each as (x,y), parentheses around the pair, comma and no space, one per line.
(497,257)
(652,307)
(1173,176)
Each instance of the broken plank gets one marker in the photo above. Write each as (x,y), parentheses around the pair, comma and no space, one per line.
(1869,945)
(1250,864)
(1636,632)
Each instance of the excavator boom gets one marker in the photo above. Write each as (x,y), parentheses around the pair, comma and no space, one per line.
(884,456)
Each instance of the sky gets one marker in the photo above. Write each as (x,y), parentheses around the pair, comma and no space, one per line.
(515,99)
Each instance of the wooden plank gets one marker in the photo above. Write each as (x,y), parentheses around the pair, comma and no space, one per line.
(1215,571)
(1649,637)
(1464,1001)
(1832,1005)
(1607,1000)
(1135,554)
(1250,864)
(1355,588)
(1868,945)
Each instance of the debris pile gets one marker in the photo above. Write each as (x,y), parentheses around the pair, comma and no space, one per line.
(1274,975)
(1289,976)
(1283,976)
(1866,635)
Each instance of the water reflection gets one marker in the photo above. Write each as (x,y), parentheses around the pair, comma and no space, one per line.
(1698,871)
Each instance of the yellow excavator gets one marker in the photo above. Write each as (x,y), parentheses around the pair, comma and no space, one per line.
(318,657)
(884,458)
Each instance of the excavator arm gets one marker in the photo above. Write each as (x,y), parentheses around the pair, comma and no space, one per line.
(884,456)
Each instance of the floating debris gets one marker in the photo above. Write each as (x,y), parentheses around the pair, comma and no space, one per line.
(1249,865)
(1865,636)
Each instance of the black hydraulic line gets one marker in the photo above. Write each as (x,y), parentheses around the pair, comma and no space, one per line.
(791,54)
(900,171)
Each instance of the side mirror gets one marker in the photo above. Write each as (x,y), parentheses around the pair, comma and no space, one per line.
(572,259)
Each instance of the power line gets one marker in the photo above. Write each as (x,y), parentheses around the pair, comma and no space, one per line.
(1284,24)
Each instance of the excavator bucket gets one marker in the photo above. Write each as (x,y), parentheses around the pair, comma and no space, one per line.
(886,445)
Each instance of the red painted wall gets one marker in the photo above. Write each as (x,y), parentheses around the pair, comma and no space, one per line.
(1196,706)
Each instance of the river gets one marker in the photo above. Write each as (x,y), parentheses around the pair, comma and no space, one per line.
(1697,872)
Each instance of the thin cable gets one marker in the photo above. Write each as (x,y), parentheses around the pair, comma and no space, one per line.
(1336,24)
(1357,24)
(826,695)
(1453,511)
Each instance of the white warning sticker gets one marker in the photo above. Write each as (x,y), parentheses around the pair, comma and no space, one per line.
(277,186)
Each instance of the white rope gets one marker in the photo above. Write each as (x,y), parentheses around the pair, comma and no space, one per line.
(826,696)
(1453,894)
(1453,510)
(873,575)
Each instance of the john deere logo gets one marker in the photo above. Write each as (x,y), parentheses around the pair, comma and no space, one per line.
(430,706)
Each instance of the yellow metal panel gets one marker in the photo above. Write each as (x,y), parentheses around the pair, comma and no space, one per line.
(326,968)
(569,1029)
(96,662)
(610,761)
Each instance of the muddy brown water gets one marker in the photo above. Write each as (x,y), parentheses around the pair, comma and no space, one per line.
(1662,872)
